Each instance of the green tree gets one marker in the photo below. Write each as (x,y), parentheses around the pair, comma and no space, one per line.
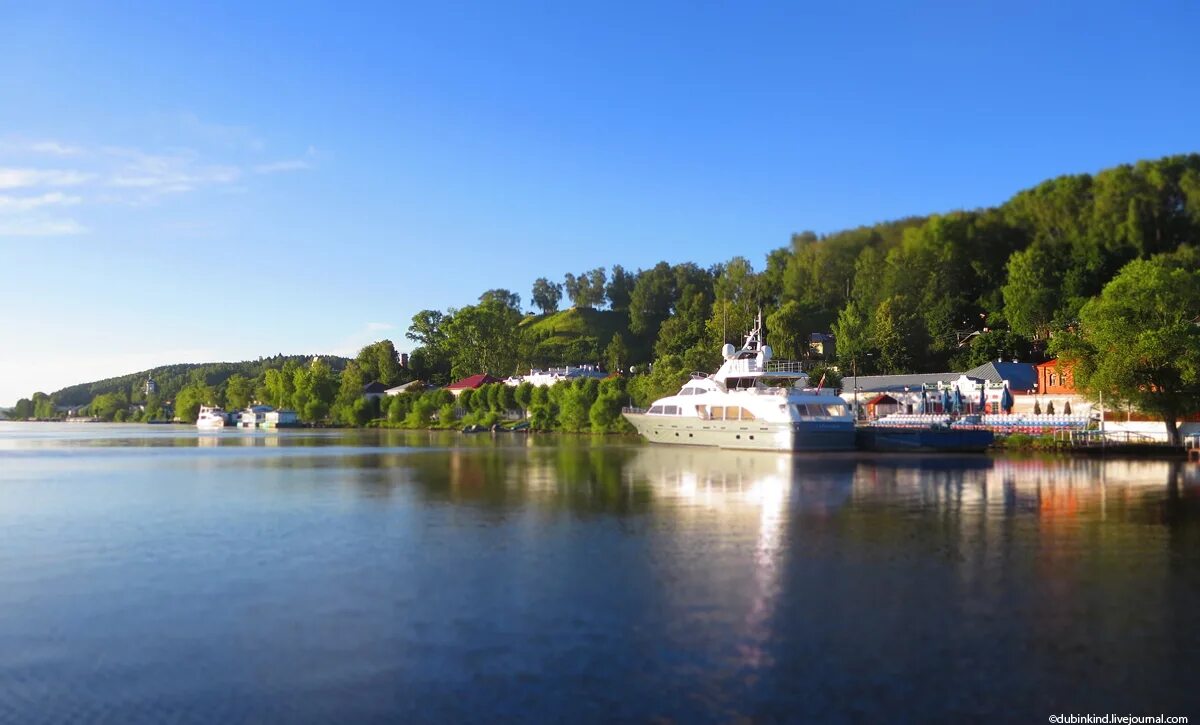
(400,407)
(346,408)
(666,377)
(43,407)
(833,378)
(736,304)
(855,347)
(1033,293)
(523,396)
(605,413)
(23,409)
(423,408)
(503,296)
(380,361)
(789,328)
(238,391)
(431,360)
(651,300)
(189,400)
(993,345)
(586,290)
(483,338)
(314,390)
(620,288)
(616,354)
(546,295)
(280,384)
(107,405)
(1138,342)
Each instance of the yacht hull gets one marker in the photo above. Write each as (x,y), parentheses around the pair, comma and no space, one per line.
(745,435)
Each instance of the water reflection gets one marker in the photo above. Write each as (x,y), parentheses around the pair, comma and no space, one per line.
(154,575)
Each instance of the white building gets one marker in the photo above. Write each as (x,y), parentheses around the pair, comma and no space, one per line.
(551,376)
(282,418)
(254,416)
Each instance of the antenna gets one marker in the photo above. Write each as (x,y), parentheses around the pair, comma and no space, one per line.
(724,319)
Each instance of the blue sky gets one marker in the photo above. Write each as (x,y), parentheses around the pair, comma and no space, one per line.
(215,181)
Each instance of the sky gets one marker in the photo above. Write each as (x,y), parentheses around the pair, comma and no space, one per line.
(190,182)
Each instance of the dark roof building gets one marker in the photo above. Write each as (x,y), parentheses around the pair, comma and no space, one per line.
(1021,377)
(897,383)
(374,388)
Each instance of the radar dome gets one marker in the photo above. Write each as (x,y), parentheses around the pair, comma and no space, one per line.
(767,352)
(727,351)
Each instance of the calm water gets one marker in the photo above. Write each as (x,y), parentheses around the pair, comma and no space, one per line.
(154,574)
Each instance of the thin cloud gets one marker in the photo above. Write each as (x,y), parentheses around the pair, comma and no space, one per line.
(34,183)
(12,178)
(54,148)
(379,326)
(11,204)
(45,147)
(281,166)
(37,227)
(167,173)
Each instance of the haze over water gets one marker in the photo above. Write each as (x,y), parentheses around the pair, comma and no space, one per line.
(152,574)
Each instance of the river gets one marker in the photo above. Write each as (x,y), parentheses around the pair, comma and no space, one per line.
(158,574)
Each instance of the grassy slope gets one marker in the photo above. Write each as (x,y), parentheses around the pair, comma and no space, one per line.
(566,325)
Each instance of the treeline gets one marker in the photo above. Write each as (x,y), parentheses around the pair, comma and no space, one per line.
(923,294)
(126,398)
(583,405)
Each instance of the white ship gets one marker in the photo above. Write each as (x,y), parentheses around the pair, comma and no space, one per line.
(752,402)
(211,417)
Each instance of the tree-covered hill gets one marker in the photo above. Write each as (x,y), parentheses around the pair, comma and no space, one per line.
(172,378)
(575,336)
(916,294)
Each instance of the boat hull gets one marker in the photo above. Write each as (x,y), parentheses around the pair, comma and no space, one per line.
(745,435)
(925,440)
(210,424)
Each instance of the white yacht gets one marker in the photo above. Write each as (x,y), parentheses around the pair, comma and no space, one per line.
(211,417)
(752,402)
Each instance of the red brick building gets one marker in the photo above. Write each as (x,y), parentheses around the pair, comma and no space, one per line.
(1054,377)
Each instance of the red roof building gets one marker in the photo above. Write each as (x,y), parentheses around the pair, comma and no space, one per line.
(471,383)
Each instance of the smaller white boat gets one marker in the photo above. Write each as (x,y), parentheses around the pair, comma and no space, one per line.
(211,417)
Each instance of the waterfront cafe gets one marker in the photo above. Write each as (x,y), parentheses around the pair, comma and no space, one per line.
(979,390)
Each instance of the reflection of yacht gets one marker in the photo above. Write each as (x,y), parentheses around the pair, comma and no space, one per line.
(211,417)
(751,402)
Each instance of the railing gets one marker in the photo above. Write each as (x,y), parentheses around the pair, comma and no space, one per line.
(635,411)
(1090,438)
(785,366)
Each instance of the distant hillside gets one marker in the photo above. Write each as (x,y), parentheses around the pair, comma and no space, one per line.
(171,378)
(577,335)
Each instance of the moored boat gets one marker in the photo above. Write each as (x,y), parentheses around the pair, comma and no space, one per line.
(211,417)
(751,402)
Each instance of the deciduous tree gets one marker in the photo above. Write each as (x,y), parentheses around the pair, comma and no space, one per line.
(1138,342)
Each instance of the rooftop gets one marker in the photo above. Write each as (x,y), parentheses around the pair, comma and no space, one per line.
(473,382)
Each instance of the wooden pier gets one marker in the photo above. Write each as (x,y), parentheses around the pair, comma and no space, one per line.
(1122,443)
